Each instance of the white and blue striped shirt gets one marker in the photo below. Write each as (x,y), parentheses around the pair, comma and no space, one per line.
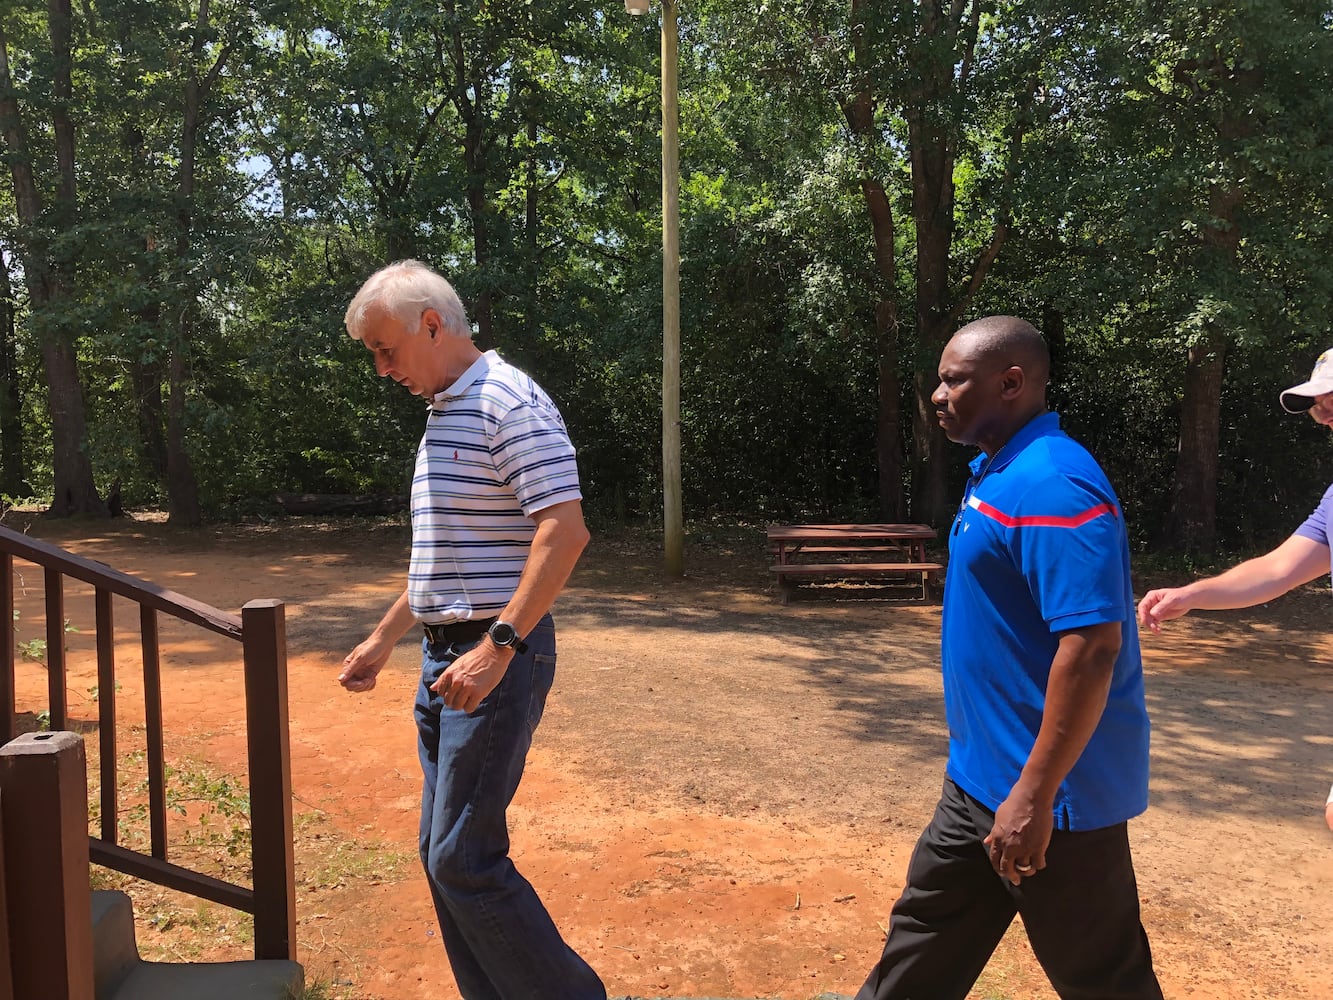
(495,452)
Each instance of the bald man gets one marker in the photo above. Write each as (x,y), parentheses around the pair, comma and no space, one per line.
(1043,693)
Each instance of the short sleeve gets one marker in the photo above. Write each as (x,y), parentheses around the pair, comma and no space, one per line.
(533,454)
(1069,543)
(1316,525)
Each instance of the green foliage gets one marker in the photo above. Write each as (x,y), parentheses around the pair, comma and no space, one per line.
(1153,179)
(219,805)
(34,650)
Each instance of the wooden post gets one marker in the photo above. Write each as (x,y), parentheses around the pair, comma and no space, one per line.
(7,703)
(264,639)
(44,784)
(6,961)
(106,713)
(672,517)
(153,735)
(56,682)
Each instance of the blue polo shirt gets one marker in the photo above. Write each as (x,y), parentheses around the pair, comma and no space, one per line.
(1039,547)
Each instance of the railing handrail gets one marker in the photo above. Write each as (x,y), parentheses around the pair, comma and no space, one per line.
(122,584)
(261,630)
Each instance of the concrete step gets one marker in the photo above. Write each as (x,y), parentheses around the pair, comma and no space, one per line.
(120,974)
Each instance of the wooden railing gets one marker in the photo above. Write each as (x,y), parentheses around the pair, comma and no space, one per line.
(261,631)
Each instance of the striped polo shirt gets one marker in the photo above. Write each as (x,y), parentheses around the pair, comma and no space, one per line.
(495,452)
(1039,548)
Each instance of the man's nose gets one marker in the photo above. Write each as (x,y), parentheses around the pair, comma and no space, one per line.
(381,366)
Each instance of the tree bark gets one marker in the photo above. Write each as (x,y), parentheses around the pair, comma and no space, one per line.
(483,313)
(145,375)
(932,152)
(859,109)
(49,280)
(932,211)
(531,228)
(1192,524)
(182,487)
(13,471)
(146,379)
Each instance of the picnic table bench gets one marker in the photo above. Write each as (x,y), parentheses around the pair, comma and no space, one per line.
(841,548)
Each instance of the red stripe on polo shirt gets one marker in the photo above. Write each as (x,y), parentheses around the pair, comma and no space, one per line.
(1040,520)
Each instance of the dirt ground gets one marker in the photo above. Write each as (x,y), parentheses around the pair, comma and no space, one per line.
(724,791)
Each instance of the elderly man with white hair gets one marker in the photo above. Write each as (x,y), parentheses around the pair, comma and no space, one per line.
(497,526)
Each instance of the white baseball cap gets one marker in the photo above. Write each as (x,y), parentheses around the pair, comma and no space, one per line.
(1300,398)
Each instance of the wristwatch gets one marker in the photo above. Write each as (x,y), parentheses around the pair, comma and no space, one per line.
(503,634)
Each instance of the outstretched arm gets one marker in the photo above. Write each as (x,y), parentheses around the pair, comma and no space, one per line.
(1296,561)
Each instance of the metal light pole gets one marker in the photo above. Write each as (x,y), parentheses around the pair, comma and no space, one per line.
(672,511)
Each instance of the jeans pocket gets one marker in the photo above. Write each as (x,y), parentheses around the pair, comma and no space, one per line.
(543,674)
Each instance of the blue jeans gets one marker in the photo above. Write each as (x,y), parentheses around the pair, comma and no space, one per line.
(501,942)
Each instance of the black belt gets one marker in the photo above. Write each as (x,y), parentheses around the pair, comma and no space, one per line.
(451,632)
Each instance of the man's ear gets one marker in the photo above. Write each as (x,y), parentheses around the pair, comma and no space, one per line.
(1012,381)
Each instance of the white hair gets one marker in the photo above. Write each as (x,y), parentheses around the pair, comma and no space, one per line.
(406,289)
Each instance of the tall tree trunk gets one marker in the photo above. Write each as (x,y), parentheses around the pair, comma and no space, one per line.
(145,375)
(13,471)
(1192,524)
(932,151)
(146,380)
(531,230)
(483,306)
(49,280)
(888,425)
(75,492)
(182,488)
(468,95)
(932,211)
(859,109)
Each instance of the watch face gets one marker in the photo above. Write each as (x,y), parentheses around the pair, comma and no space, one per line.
(502,634)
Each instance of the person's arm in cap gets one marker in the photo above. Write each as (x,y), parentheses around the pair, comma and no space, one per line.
(1296,561)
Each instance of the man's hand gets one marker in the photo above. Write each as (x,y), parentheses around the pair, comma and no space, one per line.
(1164,605)
(473,676)
(363,664)
(1020,835)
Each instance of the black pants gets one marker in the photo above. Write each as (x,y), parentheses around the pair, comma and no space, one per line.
(1081,913)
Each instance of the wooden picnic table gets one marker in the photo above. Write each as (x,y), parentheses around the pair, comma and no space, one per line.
(840,549)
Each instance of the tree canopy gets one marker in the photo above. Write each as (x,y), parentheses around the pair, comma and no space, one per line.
(195,188)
